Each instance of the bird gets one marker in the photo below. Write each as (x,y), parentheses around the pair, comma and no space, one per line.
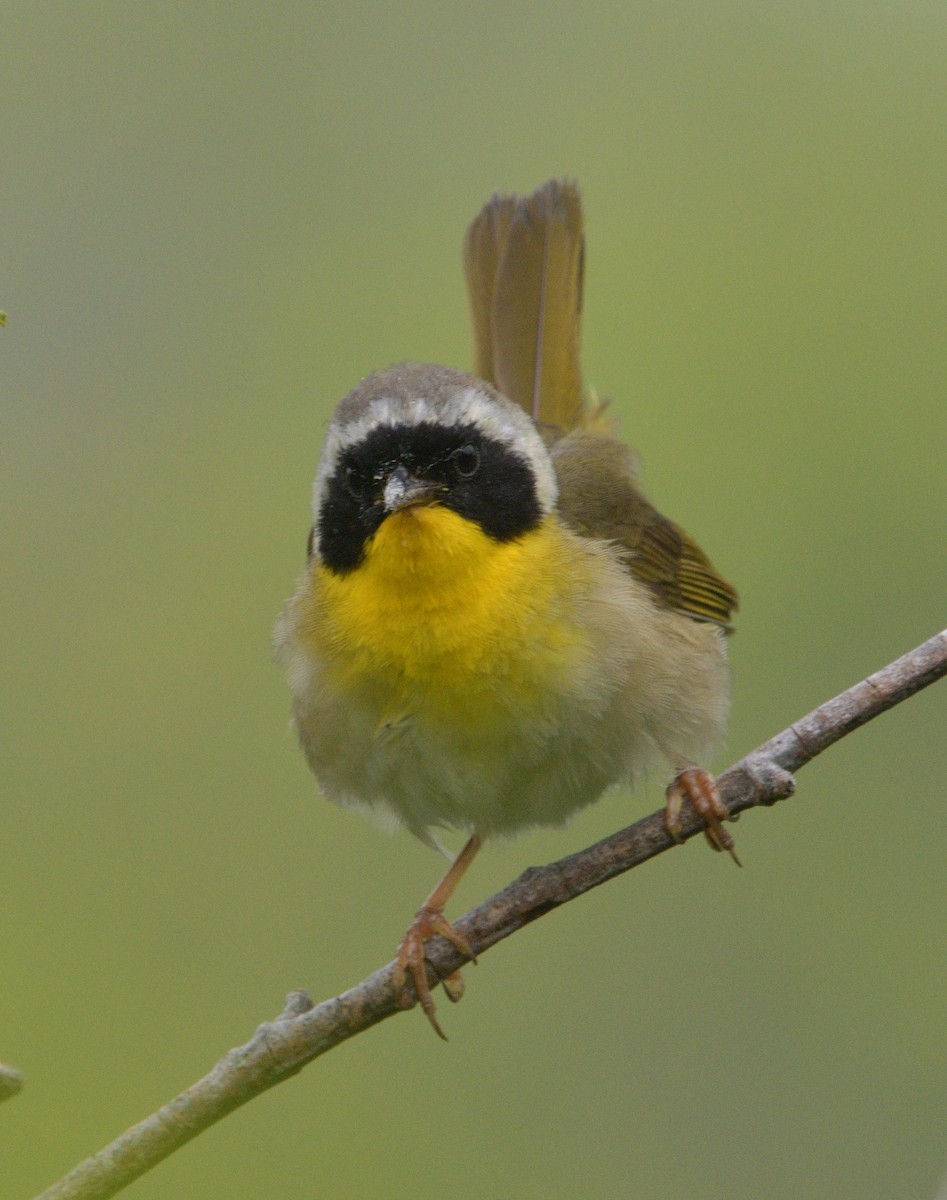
(495,624)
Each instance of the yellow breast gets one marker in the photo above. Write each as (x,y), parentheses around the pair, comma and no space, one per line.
(441,618)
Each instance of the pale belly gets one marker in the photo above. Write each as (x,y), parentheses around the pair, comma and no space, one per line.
(486,767)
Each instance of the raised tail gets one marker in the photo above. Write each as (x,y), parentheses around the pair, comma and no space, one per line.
(523,259)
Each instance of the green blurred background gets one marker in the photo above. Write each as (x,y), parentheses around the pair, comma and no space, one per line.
(214,219)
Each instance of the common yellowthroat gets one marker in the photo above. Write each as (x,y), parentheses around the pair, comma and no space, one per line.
(494,624)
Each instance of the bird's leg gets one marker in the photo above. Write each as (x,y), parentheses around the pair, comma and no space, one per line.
(700,788)
(429,920)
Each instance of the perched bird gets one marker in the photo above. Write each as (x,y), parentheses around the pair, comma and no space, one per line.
(494,624)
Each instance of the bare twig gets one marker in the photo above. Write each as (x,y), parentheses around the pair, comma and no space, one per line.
(303,1031)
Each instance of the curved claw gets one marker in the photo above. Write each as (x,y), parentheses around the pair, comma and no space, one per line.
(700,788)
(410,960)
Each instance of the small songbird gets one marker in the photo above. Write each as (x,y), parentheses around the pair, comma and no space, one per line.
(494,624)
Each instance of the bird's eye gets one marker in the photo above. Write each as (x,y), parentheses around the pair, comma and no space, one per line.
(354,482)
(466,460)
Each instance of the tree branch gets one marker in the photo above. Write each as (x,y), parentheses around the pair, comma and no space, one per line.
(303,1031)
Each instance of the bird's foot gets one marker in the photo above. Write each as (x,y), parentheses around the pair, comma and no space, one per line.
(410,960)
(700,788)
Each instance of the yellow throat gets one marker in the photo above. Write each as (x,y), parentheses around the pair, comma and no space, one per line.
(439,615)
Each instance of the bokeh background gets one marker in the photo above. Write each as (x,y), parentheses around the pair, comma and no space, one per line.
(214,220)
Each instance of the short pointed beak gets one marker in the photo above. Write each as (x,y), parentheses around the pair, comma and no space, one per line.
(403,490)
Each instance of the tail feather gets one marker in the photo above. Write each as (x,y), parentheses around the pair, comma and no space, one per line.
(523,259)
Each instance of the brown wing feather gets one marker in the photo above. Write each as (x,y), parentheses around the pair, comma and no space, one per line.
(599,498)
